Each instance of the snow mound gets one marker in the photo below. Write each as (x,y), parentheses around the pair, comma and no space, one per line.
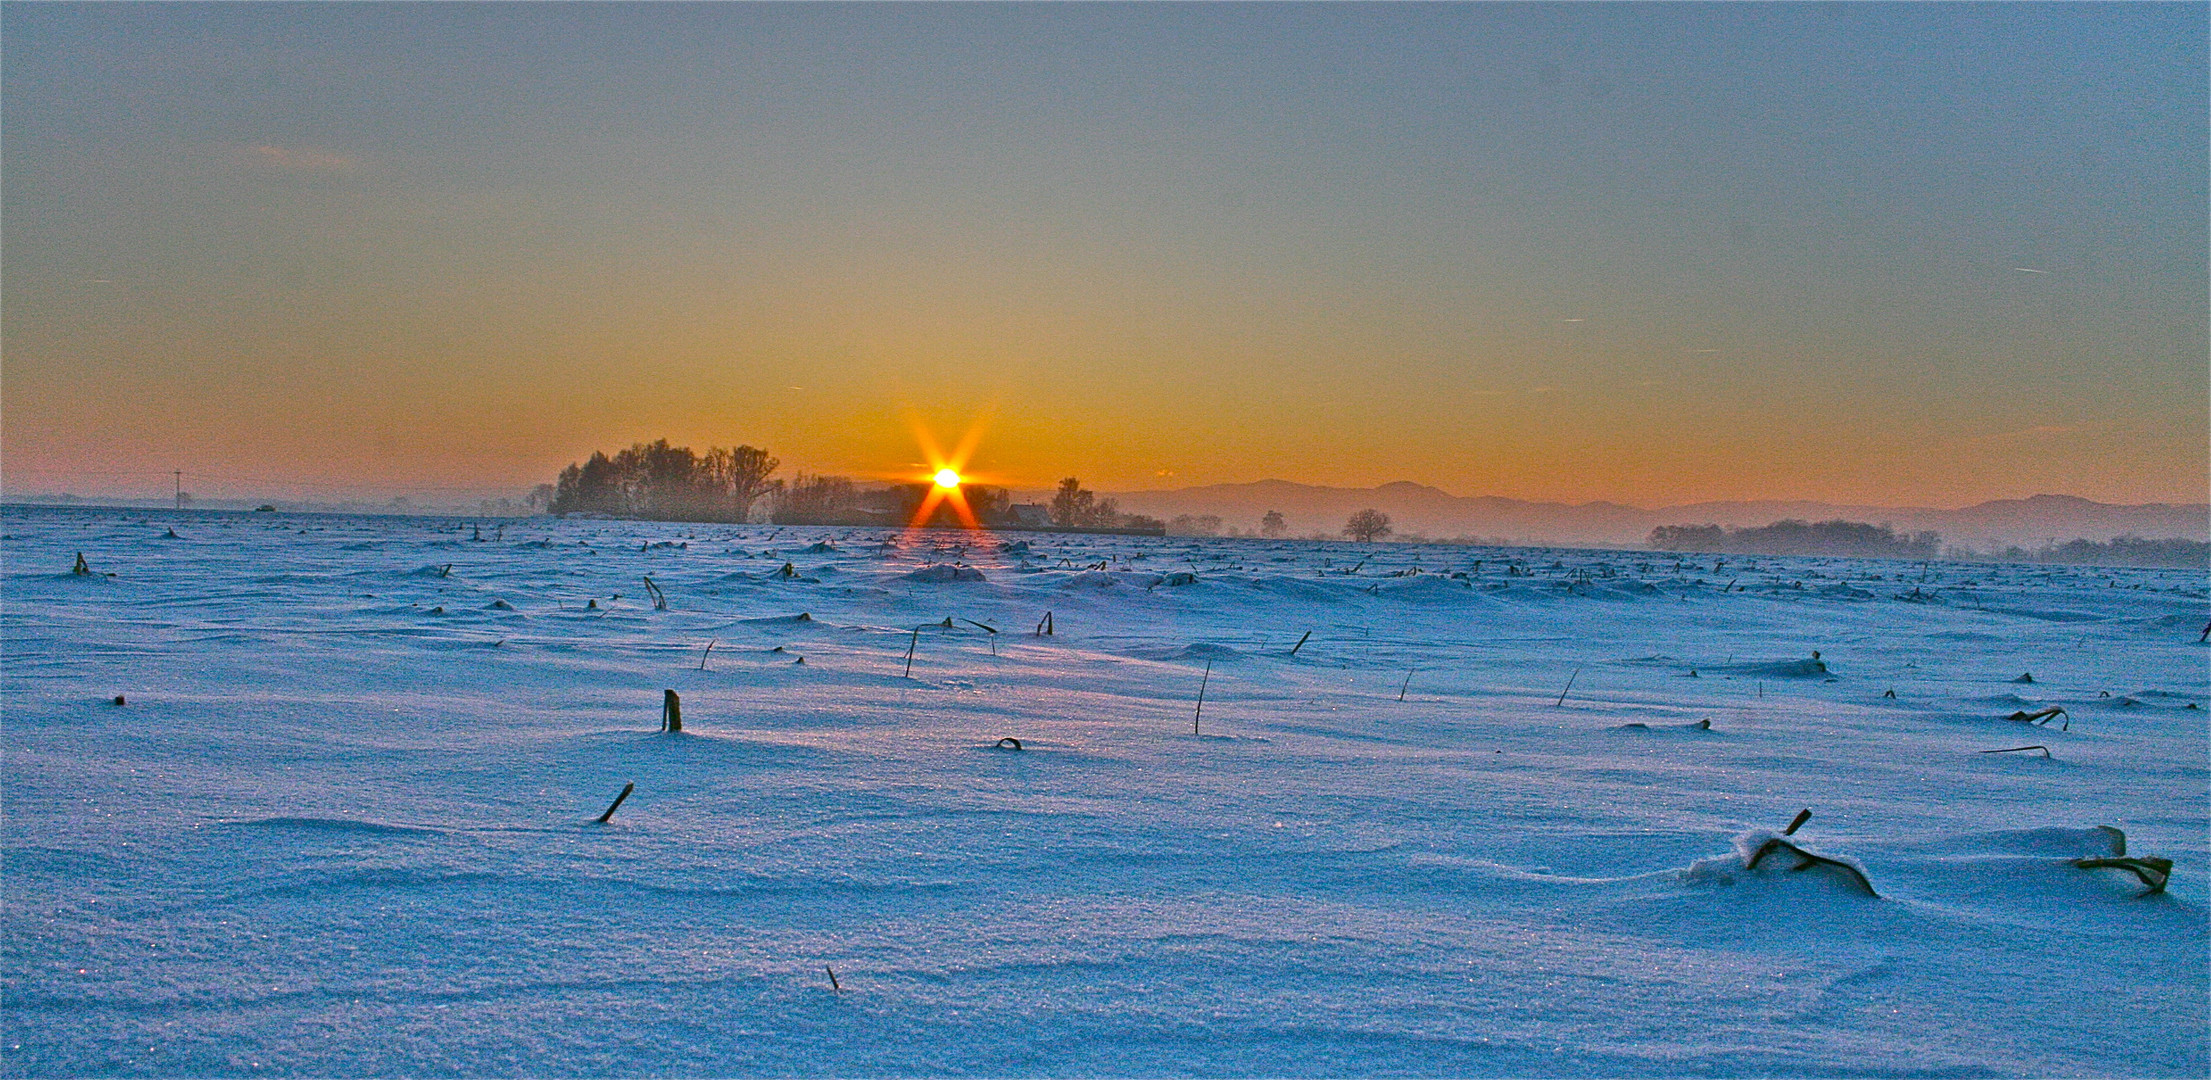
(1108,579)
(2166,695)
(357,826)
(1299,589)
(1762,854)
(1431,588)
(2055,842)
(943,572)
(1635,726)
(1200,652)
(1780,669)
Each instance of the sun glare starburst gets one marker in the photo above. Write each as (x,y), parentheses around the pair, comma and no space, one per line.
(945,482)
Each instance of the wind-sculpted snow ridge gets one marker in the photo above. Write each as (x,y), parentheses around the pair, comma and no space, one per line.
(1200,651)
(1444,811)
(1808,668)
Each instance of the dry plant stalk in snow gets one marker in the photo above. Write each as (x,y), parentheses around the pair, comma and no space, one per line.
(609,815)
(2153,871)
(1806,860)
(1208,677)
(1561,702)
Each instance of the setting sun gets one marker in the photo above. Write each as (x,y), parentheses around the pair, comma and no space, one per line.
(947,479)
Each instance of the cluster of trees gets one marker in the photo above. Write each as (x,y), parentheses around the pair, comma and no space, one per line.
(812,499)
(1077,507)
(2123,551)
(1366,526)
(1794,537)
(667,483)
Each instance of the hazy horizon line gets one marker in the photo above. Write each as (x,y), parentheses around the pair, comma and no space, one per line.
(455,495)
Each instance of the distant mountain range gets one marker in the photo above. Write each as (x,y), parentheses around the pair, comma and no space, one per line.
(1420,509)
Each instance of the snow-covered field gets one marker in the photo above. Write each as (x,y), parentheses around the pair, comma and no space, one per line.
(343,823)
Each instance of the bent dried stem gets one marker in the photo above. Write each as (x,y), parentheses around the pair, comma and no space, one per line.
(2154,872)
(1806,860)
(2043,716)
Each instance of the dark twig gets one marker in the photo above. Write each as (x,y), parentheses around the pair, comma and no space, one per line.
(910,647)
(2015,749)
(1208,677)
(1300,643)
(671,713)
(1569,686)
(1797,822)
(626,789)
(992,630)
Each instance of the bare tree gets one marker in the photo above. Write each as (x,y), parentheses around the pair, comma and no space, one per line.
(1073,505)
(749,469)
(1367,526)
(813,500)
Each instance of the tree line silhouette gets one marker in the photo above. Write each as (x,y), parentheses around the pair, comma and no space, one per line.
(2119,551)
(1796,537)
(667,483)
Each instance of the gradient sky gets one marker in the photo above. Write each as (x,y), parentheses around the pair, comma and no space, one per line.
(1925,254)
